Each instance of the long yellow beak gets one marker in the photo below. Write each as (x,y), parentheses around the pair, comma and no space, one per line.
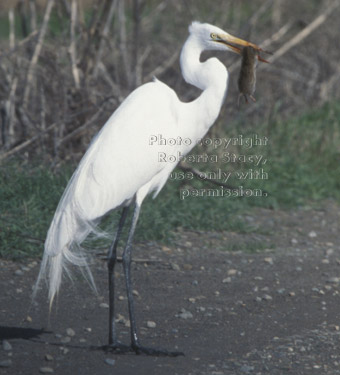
(233,44)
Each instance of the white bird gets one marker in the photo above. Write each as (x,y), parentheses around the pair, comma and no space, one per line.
(122,166)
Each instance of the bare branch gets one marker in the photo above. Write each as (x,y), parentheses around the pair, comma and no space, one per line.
(33,11)
(72,48)
(123,42)
(278,35)
(162,68)
(104,35)
(12,110)
(37,50)
(11,28)
(298,38)
(83,127)
(25,144)
(267,43)
(19,44)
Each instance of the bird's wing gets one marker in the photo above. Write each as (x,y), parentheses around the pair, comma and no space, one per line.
(121,159)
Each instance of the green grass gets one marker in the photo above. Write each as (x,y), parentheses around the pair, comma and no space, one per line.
(28,197)
(303,167)
(303,158)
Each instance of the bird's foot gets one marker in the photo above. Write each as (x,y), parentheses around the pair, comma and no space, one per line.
(119,348)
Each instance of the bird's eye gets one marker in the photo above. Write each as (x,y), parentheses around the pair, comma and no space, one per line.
(213,36)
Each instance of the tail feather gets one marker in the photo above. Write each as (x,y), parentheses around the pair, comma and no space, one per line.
(52,268)
(68,230)
(82,205)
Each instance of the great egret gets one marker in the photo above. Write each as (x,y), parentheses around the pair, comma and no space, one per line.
(121,166)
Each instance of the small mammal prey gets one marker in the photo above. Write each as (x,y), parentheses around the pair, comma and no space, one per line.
(247,77)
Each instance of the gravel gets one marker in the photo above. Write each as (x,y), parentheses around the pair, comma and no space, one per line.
(6,346)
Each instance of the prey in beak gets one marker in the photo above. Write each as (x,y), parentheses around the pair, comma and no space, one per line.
(235,44)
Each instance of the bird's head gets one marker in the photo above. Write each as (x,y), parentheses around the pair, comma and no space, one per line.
(213,38)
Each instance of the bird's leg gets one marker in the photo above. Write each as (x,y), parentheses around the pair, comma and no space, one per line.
(111,261)
(135,345)
(127,272)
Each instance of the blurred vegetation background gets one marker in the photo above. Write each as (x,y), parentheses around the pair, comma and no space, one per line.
(66,65)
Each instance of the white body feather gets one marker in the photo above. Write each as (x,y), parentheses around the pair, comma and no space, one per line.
(121,164)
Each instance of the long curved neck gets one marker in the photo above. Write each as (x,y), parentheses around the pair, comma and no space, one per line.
(211,77)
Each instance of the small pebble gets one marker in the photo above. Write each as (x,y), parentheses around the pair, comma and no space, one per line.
(65,340)
(269,260)
(46,370)
(48,357)
(104,305)
(184,314)
(150,324)
(226,280)
(175,267)
(329,252)
(312,234)
(18,273)
(6,346)
(333,280)
(267,297)
(110,361)
(231,272)
(70,332)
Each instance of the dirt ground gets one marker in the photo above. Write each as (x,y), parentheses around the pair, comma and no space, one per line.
(271,311)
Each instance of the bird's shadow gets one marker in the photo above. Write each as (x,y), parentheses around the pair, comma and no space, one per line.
(33,334)
(8,333)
